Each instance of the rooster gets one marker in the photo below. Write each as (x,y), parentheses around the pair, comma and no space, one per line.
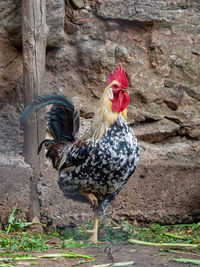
(96,167)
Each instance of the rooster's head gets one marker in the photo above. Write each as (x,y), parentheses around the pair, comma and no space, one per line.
(118,89)
(113,103)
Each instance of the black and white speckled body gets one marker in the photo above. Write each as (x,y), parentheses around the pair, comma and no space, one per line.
(101,168)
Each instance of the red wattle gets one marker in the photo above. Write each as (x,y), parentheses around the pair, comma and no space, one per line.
(120,101)
(125,101)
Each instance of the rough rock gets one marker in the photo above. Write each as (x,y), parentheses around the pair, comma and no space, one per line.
(172,98)
(10,16)
(193,92)
(55,22)
(156,131)
(149,53)
(15,186)
(165,187)
(145,10)
(11,135)
(10,67)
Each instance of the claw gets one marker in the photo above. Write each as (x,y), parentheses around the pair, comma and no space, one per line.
(91,197)
(93,200)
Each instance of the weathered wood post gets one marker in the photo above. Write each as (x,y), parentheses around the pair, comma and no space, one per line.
(34,30)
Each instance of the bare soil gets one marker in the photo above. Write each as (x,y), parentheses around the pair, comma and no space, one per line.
(121,252)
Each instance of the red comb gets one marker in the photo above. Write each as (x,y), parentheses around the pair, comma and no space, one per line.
(120,76)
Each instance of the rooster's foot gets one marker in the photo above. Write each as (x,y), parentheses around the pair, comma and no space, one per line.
(91,197)
(93,238)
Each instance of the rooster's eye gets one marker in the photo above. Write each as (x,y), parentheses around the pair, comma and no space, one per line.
(115,86)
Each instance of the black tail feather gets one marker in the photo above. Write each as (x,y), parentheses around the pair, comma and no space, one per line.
(63,120)
(42,101)
(61,123)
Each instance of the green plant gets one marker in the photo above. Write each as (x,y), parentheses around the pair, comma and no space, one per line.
(14,224)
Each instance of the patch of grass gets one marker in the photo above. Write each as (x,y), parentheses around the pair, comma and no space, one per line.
(15,224)
(114,234)
(15,239)
(24,242)
(156,233)
(185,233)
(183,238)
(78,233)
(21,241)
(72,238)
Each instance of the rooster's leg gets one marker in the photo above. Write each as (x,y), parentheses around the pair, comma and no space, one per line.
(91,197)
(94,231)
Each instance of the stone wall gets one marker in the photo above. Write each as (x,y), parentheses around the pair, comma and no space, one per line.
(10,28)
(158,44)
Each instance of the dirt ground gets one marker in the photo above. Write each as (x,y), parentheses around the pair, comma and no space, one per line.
(121,252)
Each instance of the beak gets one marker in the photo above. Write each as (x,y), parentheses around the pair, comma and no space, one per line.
(125,90)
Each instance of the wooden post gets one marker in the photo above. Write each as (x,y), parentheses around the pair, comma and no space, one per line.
(34,30)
